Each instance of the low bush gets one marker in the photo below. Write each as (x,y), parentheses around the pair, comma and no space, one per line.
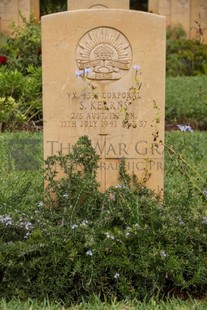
(185,57)
(125,243)
(26,94)
(9,113)
(24,47)
(21,75)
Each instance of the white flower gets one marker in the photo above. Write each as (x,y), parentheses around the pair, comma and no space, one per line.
(136,67)
(65,195)
(84,222)
(89,253)
(74,226)
(127,234)
(40,204)
(109,236)
(163,253)
(27,225)
(117,275)
(27,235)
(6,219)
(185,128)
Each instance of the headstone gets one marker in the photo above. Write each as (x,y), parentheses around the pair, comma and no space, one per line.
(165,10)
(199,15)
(97,4)
(189,14)
(93,85)
(10,12)
(153,6)
(180,14)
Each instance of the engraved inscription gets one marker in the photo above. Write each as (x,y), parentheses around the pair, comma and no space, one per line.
(106,51)
(104,109)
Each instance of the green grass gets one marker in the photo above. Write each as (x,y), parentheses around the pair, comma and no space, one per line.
(183,102)
(20,188)
(193,149)
(96,304)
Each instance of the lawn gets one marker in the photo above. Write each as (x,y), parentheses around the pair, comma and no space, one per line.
(96,304)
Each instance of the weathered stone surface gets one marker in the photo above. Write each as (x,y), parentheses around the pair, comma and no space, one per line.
(190,14)
(10,9)
(117,104)
(97,4)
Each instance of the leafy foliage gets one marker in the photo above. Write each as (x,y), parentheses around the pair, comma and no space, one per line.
(52,6)
(185,57)
(24,47)
(25,92)
(20,74)
(9,112)
(124,243)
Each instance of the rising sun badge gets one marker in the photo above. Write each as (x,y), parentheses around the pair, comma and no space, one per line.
(106,51)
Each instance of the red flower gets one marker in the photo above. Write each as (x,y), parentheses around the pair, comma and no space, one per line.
(3,59)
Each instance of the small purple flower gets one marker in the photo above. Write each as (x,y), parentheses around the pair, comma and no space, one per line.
(6,219)
(79,73)
(185,128)
(88,70)
(136,67)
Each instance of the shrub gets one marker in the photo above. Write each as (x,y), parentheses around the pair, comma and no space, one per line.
(26,91)
(124,243)
(24,47)
(185,57)
(10,114)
